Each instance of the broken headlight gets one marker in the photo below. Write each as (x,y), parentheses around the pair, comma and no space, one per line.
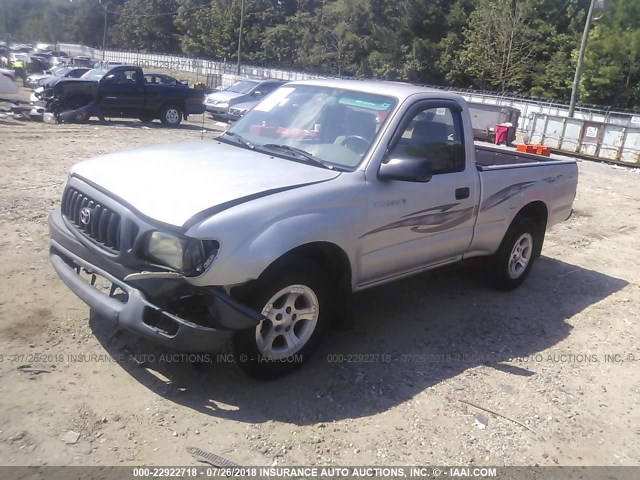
(187,255)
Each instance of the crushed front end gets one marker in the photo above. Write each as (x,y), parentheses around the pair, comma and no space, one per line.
(124,266)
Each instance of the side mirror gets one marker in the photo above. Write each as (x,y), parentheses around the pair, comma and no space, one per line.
(406,169)
(108,79)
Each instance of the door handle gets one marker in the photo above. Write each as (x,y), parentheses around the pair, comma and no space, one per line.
(462,193)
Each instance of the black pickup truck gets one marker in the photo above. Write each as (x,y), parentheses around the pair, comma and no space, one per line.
(122,92)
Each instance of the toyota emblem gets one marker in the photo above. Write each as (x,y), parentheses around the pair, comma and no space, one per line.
(85,215)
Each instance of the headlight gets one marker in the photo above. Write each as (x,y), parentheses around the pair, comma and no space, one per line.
(186,255)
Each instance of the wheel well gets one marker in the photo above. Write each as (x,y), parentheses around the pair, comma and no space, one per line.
(536,211)
(170,103)
(329,257)
(78,98)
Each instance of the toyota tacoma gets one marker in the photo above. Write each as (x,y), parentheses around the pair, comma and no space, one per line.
(257,238)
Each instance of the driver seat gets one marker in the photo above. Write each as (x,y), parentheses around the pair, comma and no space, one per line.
(359,124)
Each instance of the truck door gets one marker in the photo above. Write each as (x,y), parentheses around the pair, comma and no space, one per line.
(412,225)
(122,92)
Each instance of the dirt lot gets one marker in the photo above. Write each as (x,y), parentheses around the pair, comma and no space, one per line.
(558,359)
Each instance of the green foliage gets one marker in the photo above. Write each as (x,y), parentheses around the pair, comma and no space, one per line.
(522,46)
(612,64)
(141,28)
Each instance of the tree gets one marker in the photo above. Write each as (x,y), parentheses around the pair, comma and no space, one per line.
(499,43)
(149,25)
(612,64)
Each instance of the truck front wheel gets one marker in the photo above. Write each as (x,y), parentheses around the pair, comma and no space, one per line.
(294,299)
(76,103)
(171,115)
(514,259)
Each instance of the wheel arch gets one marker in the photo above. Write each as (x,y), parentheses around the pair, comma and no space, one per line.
(78,96)
(539,213)
(327,255)
(178,102)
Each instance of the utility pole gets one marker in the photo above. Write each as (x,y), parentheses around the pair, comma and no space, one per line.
(4,20)
(583,48)
(104,32)
(240,34)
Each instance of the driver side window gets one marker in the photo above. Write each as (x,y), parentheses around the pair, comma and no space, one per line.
(125,76)
(434,134)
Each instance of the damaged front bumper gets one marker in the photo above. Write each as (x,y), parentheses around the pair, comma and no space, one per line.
(183,317)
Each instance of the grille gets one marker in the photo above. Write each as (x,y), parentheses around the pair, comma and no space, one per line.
(98,222)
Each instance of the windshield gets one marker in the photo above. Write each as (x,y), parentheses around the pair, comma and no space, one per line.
(328,125)
(243,87)
(95,74)
(60,71)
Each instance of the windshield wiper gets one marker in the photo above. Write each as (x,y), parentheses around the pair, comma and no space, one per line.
(299,152)
(243,141)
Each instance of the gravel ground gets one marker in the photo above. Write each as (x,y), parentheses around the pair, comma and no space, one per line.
(438,369)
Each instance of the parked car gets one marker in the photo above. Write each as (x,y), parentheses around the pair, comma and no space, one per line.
(239,110)
(39,64)
(82,61)
(95,74)
(123,93)
(218,103)
(38,79)
(43,94)
(50,80)
(8,85)
(260,237)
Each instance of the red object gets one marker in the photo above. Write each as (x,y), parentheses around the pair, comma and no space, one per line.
(502,134)
(540,150)
(536,149)
(263,131)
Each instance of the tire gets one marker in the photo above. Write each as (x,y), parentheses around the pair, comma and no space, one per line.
(75,103)
(171,115)
(513,261)
(286,338)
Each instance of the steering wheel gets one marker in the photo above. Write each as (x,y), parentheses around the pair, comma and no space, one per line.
(352,142)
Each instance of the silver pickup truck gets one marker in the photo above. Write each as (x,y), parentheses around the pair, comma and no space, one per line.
(259,237)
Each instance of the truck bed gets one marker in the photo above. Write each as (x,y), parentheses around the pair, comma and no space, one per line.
(499,157)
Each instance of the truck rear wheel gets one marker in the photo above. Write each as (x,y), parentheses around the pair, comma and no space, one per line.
(514,259)
(171,115)
(295,300)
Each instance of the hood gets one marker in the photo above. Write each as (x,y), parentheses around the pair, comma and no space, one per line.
(50,82)
(224,95)
(38,76)
(246,105)
(172,183)
(61,81)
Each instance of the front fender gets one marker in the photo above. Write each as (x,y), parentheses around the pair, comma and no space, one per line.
(254,234)
(250,259)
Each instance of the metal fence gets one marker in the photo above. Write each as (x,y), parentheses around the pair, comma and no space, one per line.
(212,72)
(530,107)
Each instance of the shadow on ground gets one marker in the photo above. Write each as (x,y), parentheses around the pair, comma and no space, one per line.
(408,336)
